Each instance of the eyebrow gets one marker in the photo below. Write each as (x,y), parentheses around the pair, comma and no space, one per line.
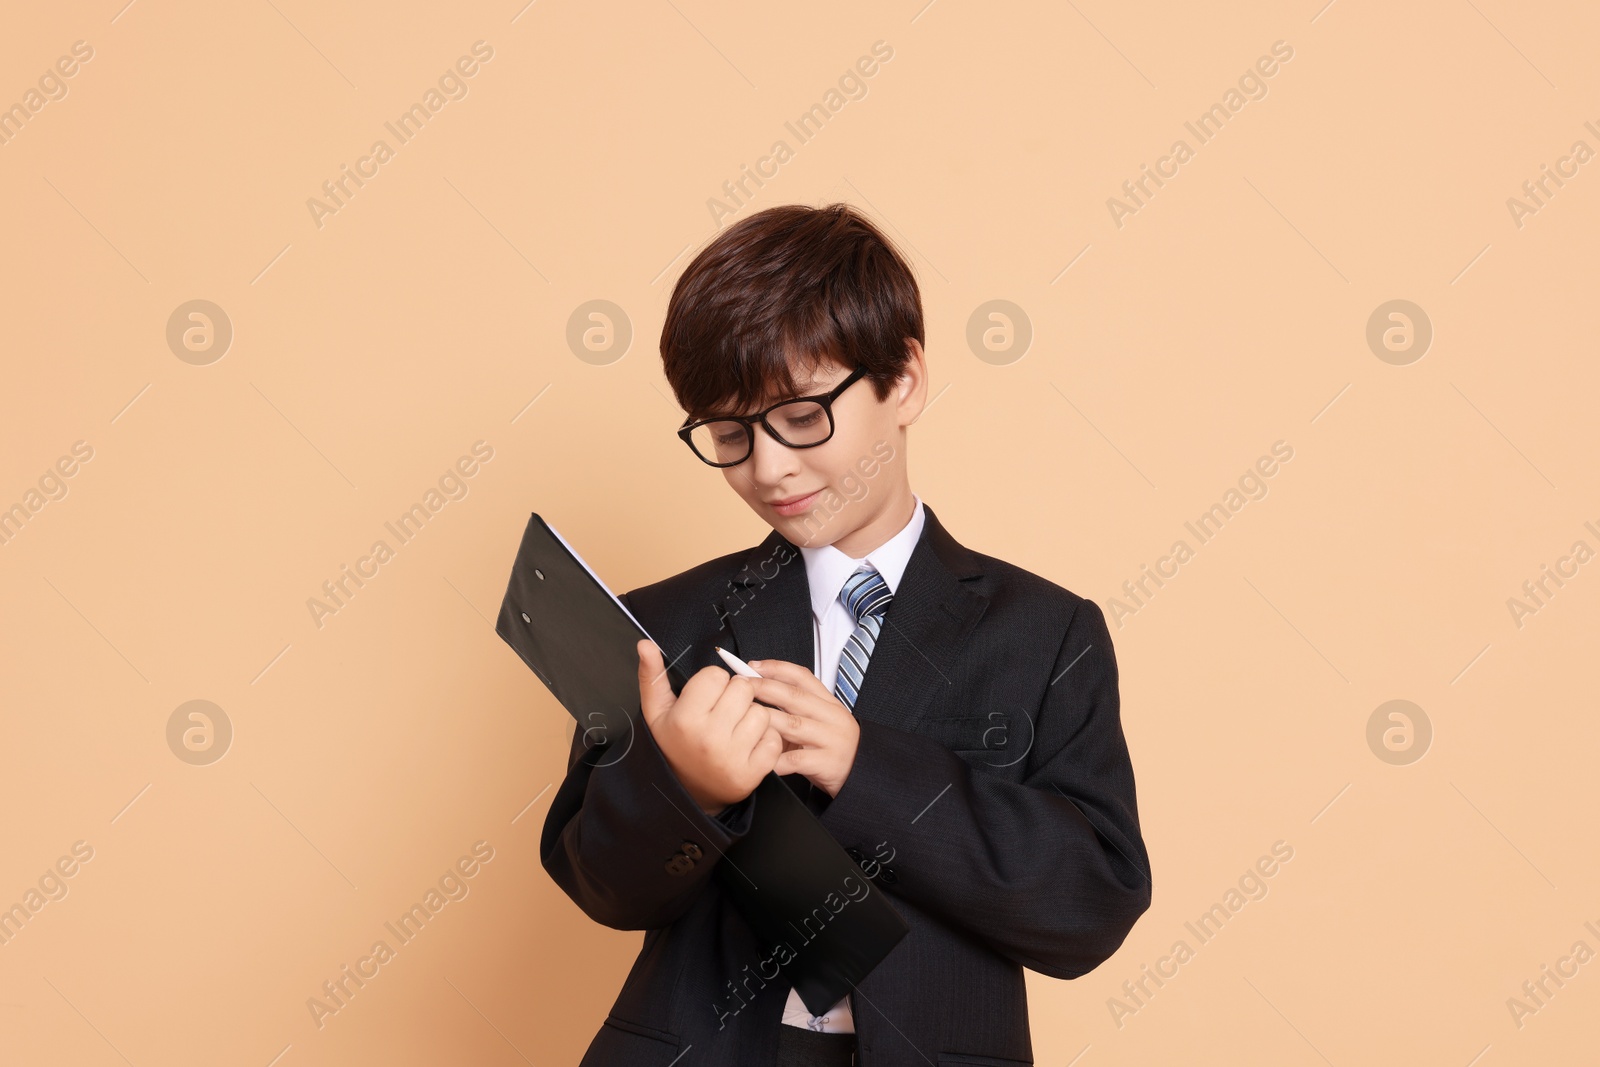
(810,388)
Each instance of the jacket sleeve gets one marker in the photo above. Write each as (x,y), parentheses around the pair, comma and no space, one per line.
(624,839)
(1050,872)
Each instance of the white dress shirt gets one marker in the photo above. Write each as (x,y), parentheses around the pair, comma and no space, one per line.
(831,626)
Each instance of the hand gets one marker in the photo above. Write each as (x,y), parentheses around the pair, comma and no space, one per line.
(716,739)
(820,734)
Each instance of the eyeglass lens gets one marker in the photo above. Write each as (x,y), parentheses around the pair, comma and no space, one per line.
(801,423)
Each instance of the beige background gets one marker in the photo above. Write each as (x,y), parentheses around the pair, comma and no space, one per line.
(431,312)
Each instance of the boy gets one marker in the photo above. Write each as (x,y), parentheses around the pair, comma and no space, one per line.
(977,772)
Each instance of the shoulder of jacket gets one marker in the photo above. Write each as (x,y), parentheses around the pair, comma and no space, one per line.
(711,576)
(1009,584)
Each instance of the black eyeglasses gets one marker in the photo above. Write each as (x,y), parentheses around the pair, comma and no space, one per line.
(804,422)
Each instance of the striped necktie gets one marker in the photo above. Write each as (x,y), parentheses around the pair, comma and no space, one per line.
(867,596)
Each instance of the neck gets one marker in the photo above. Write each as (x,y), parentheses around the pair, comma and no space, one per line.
(889,520)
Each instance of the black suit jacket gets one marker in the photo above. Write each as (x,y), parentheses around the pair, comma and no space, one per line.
(992,800)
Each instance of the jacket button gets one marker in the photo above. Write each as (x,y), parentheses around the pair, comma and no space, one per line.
(679,863)
(691,850)
(889,876)
(855,854)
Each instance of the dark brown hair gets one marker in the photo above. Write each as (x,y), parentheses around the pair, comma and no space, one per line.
(778,292)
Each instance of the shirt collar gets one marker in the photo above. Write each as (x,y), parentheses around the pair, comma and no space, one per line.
(827,567)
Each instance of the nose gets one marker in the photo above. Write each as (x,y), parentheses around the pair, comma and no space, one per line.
(770,461)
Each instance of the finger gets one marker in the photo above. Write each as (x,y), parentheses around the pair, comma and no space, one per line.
(701,692)
(798,731)
(764,756)
(807,761)
(730,707)
(655,692)
(751,728)
(800,701)
(796,675)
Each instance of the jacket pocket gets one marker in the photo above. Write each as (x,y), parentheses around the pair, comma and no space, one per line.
(971,1058)
(621,1043)
(998,734)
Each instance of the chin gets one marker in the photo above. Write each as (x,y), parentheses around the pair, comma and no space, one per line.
(813,534)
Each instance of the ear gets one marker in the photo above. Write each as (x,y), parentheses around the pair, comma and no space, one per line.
(912,384)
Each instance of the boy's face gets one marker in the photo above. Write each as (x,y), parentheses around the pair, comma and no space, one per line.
(852,490)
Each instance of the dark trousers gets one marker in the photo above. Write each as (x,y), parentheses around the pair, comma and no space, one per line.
(799,1047)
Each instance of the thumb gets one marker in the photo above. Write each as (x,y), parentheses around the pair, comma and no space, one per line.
(655,691)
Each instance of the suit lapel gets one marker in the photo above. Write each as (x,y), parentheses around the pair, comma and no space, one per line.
(768,606)
(932,612)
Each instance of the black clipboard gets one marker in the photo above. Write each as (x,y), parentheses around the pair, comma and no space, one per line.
(817,915)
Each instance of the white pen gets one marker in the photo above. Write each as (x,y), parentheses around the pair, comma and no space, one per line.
(735,664)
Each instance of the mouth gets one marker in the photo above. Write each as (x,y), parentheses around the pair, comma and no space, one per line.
(793,505)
